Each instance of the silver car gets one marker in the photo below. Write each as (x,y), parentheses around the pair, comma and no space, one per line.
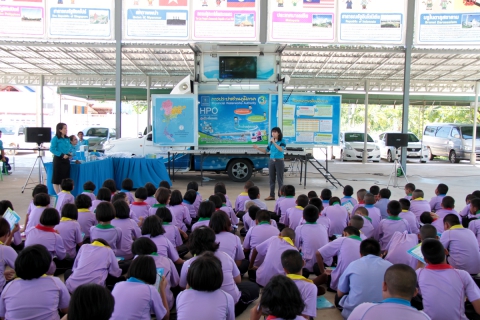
(415,149)
(97,136)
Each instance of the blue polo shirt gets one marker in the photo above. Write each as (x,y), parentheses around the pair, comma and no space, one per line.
(59,146)
(84,142)
(1,145)
(274,153)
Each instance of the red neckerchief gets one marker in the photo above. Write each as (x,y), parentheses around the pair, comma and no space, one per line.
(43,228)
(143,203)
(441,266)
(271,317)
(448,209)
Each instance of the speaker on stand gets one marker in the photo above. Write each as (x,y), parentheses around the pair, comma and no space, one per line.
(37,135)
(396,140)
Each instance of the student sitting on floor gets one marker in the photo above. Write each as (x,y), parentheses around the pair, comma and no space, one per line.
(446,207)
(104,214)
(103,195)
(474,225)
(393,223)
(162,197)
(242,198)
(382,202)
(440,193)
(192,185)
(220,187)
(41,202)
(409,216)
(98,299)
(86,218)
(228,210)
(69,230)
(347,195)
(338,216)
(288,202)
(357,222)
(294,215)
(188,200)
(6,252)
(130,229)
(65,196)
(409,188)
(326,195)
(172,232)
(205,211)
(151,190)
(139,209)
(360,200)
(179,211)
(418,205)
(254,195)
(368,230)
(127,187)
(323,220)
(89,189)
(373,212)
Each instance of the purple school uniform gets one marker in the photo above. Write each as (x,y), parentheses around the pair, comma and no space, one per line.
(466,212)
(436,202)
(172,234)
(34,219)
(229,269)
(134,299)
(398,246)
(191,209)
(130,231)
(367,228)
(130,197)
(228,202)
(31,206)
(349,198)
(272,222)
(308,239)
(308,291)
(284,205)
(474,225)
(256,235)
(338,216)
(388,227)
(182,216)
(462,246)
(220,305)
(374,214)
(272,250)
(139,210)
(230,213)
(381,205)
(356,207)
(7,258)
(438,223)
(71,234)
(326,204)
(113,235)
(277,203)
(293,217)
(410,217)
(95,204)
(240,201)
(197,202)
(165,247)
(247,221)
(202,223)
(230,244)
(171,275)
(86,219)
(408,197)
(92,265)
(151,201)
(444,289)
(63,198)
(91,195)
(419,206)
(45,295)
(392,309)
(347,249)
(50,240)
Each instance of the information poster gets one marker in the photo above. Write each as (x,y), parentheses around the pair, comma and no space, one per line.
(301,20)
(233,119)
(80,19)
(22,18)
(448,22)
(228,20)
(158,19)
(174,120)
(372,21)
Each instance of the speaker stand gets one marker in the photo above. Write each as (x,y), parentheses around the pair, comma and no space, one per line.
(41,165)
(396,166)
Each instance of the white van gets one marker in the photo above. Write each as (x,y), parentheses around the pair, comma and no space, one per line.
(450,140)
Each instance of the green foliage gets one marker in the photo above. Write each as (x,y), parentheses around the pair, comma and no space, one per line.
(139,107)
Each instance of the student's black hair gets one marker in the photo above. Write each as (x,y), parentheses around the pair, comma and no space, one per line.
(127,184)
(104,194)
(162,195)
(280,134)
(50,217)
(4,205)
(289,190)
(361,193)
(39,188)
(302,200)
(253,192)
(222,197)
(122,209)
(32,262)
(451,219)
(427,231)
(410,186)
(352,231)
(292,261)
(82,201)
(91,301)
(67,184)
(41,200)
(426,217)
(58,129)
(252,212)
(122,196)
(105,212)
(442,188)
(152,225)
(281,298)
(110,185)
(401,281)
(220,187)
(190,196)
(405,203)
(150,189)
(310,213)
(4,227)
(69,211)
(217,201)
(205,273)
(202,239)
(363,211)
(164,184)
(262,216)
(326,194)
(282,190)
(334,200)
(89,185)
(141,193)
(433,251)
(475,203)
(469,197)
(192,185)
(394,207)
(357,221)
(206,209)
(248,185)
(143,245)
(476,193)
(370,246)
(417,193)
(348,190)
(448,202)
(317,202)
(385,193)
(374,190)
(176,198)
(165,214)
(369,199)
(220,222)
(143,268)
(312,194)
(288,232)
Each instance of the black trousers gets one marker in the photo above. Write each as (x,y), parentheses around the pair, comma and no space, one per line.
(249,293)
(6,166)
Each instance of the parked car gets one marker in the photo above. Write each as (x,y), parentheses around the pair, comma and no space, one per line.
(97,136)
(415,148)
(352,146)
(451,140)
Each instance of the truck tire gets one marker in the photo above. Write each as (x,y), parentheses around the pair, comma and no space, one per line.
(239,170)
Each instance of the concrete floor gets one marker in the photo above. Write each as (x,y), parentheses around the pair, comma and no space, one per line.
(461,179)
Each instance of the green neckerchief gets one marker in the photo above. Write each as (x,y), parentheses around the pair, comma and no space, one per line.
(165,223)
(104,226)
(158,205)
(355,237)
(393,218)
(264,222)
(368,218)
(311,222)
(335,203)
(203,219)
(154,254)
(289,197)
(224,205)
(89,191)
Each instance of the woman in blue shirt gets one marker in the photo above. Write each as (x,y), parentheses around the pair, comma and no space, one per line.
(61,148)
(276,166)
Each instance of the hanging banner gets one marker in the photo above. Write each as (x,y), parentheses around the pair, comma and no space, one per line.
(159,19)
(22,18)
(372,21)
(233,119)
(90,19)
(301,20)
(225,20)
(174,119)
(448,22)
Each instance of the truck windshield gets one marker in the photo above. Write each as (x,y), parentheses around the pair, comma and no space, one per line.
(357,137)
(467,132)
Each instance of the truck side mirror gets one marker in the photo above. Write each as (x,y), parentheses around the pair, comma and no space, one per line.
(149,137)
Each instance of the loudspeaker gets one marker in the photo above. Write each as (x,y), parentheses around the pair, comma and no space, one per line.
(396,140)
(38,134)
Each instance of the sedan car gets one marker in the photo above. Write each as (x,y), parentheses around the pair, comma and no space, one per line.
(352,146)
(97,136)
(415,148)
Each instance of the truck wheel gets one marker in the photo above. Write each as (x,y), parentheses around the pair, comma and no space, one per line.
(239,170)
